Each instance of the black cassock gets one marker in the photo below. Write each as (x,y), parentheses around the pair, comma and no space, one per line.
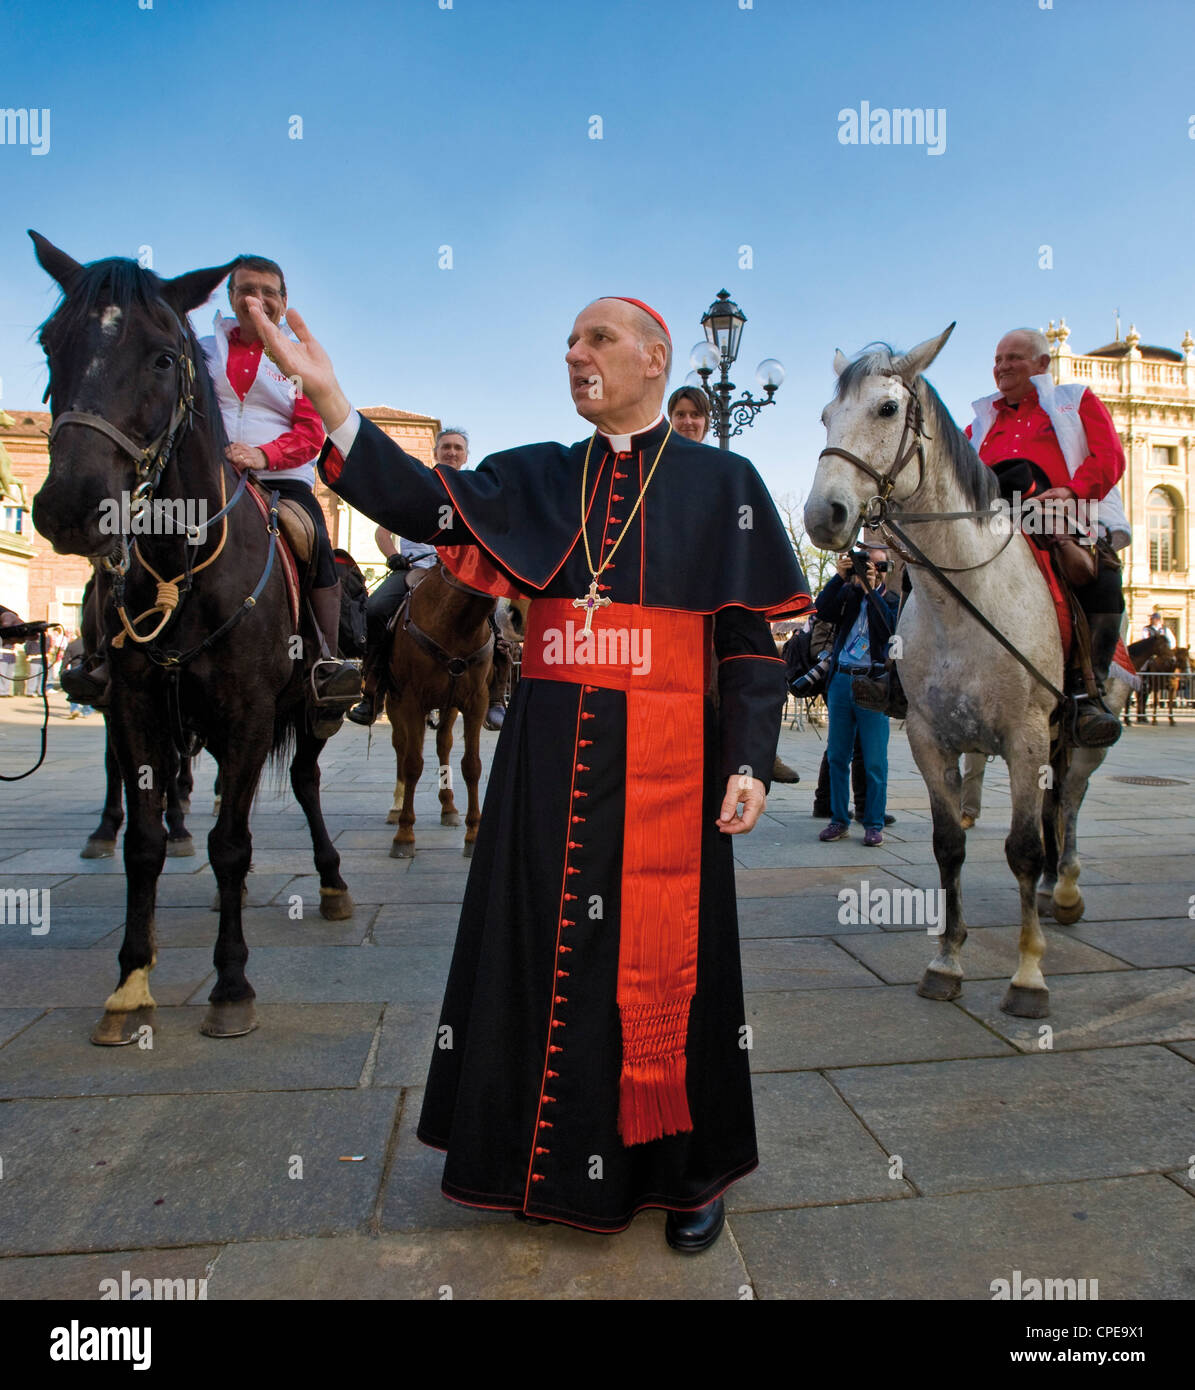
(525,1099)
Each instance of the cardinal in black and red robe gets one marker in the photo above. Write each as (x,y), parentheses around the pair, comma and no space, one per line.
(596,1059)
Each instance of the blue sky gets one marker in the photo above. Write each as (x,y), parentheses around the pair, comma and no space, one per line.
(469,127)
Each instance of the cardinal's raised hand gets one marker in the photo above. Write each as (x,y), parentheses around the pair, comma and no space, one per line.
(305,361)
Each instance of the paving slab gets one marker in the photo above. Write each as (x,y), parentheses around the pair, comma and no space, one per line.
(900,957)
(797,882)
(810,963)
(187,1170)
(412,1200)
(389,887)
(812,1149)
(408,1038)
(196,888)
(805,1030)
(66,978)
(806,914)
(1121,1007)
(954,1247)
(81,1278)
(1163,942)
(1006,1122)
(328,974)
(263,926)
(14,1021)
(71,927)
(416,924)
(296,1047)
(504,1261)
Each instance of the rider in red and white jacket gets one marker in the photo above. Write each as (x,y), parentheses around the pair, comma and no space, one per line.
(275,431)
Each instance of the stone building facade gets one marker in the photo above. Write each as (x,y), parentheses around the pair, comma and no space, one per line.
(37,583)
(1150,394)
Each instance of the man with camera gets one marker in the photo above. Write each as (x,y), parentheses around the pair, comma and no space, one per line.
(865,618)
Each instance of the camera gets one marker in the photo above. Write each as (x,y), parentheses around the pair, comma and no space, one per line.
(860,558)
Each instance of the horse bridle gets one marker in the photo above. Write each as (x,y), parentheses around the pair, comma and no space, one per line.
(914,432)
(877,514)
(151,459)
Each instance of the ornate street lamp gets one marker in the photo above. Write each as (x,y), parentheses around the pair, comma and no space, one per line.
(723,323)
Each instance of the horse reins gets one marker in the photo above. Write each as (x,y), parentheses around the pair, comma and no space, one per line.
(878,514)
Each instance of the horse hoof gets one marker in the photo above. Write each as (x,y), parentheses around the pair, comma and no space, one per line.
(935,985)
(1045,904)
(1023,1002)
(1067,916)
(182,848)
(392,817)
(402,850)
(450,818)
(231,1020)
(335,904)
(98,849)
(468,850)
(118,1030)
(185,807)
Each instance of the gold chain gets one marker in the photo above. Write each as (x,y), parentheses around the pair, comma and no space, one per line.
(634,511)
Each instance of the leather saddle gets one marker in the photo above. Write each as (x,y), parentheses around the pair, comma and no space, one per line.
(296,525)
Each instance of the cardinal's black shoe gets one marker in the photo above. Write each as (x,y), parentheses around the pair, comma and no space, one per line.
(693,1231)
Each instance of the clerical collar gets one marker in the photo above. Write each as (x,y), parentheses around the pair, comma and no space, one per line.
(621,443)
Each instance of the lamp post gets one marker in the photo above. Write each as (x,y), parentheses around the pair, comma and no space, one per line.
(723,323)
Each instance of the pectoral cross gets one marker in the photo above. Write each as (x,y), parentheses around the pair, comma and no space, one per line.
(589,603)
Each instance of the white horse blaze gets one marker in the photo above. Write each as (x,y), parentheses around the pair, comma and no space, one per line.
(133,994)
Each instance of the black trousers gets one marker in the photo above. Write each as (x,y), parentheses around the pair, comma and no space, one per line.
(323,566)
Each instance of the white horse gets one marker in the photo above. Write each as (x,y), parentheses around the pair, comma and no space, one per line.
(889,437)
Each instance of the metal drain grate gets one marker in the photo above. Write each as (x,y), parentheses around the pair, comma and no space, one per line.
(1152,781)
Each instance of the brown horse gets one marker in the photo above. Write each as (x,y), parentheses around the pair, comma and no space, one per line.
(1154,659)
(441,658)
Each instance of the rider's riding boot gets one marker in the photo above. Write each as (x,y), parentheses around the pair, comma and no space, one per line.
(367,709)
(498,678)
(334,680)
(1095,725)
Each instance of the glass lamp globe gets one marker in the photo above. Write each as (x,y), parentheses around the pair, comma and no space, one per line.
(769,373)
(694,379)
(705,357)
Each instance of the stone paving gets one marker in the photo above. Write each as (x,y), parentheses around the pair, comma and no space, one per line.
(909,1149)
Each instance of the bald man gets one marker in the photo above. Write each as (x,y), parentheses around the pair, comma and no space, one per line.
(590,1058)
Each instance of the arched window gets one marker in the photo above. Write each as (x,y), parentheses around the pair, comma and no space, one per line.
(1161,515)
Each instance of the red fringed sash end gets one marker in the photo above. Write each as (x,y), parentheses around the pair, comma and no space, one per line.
(652,1100)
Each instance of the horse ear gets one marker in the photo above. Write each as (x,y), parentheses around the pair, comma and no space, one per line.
(914,363)
(841,361)
(57,264)
(189,291)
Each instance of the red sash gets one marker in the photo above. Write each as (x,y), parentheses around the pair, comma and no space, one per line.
(659,658)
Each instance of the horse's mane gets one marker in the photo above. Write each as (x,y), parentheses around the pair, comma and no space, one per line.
(976,480)
(127,285)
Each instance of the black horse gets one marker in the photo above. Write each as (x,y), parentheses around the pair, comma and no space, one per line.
(198,636)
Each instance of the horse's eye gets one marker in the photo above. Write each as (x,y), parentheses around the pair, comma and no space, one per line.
(888,408)
(164,361)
